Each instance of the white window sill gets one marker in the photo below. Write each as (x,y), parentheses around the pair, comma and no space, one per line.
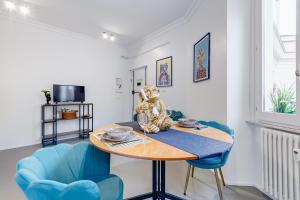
(276,126)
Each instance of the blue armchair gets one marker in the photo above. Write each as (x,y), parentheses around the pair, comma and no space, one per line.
(68,172)
(214,162)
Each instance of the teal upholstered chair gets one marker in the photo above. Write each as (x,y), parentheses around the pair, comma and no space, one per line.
(68,172)
(213,162)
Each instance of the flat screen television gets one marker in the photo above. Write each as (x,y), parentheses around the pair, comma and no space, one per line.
(68,93)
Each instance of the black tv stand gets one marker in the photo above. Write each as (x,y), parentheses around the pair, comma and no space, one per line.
(50,116)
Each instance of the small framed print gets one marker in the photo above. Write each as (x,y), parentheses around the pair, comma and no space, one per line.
(201,68)
(164,72)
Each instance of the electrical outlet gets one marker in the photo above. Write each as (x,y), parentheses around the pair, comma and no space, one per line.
(296,153)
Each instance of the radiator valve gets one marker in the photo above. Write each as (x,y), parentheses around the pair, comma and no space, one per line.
(296,153)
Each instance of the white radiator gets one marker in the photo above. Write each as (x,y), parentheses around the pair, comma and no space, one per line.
(280,170)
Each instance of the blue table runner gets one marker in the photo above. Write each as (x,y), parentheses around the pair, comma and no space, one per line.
(192,143)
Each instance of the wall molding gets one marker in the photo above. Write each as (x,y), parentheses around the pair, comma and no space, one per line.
(164,30)
(145,51)
(250,185)
(34,143)
(171,26)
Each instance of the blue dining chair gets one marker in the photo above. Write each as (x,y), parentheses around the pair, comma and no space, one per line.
(213,162)
(68,172)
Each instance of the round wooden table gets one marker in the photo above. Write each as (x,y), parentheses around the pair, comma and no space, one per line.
(159,153)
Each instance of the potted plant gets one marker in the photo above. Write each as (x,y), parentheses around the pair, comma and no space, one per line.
(283,99)
(68,114)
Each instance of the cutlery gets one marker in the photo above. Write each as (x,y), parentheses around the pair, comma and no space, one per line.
(200,127)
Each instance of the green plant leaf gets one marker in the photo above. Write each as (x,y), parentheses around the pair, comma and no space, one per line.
(283,99)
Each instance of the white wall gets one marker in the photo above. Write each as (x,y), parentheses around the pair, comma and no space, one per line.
(203,100)
(173,96)
(207,100)
(239,53)
(34,56)
(225,97)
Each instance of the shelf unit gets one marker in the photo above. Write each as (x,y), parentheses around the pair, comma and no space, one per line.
(85,122)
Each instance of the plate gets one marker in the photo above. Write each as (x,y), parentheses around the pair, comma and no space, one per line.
(107,137)
(186,125)
(186,122)
(119,132)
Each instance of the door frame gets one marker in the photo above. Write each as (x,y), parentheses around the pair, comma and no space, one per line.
(133,92)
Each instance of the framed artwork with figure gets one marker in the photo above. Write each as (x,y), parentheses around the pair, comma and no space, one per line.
(164,72)
(201,69)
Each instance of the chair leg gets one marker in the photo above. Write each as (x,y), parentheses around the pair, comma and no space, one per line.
(193,171)
(222,177)
(218,184)
(187,179)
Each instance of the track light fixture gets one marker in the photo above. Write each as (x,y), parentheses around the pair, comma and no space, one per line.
(110,36)
(24,10)
(104,35)
(11,6)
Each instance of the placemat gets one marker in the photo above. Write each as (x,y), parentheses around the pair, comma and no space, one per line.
(118,145)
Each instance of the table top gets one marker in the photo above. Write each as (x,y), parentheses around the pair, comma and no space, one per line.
(154,149)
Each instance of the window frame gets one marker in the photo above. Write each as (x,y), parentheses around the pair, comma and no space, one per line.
(257,87)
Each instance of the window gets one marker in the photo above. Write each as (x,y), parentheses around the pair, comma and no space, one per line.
(276,42)
(280,57)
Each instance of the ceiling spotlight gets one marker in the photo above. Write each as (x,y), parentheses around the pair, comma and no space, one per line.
(10,5)
(112,37)
(104,35)
(24,10)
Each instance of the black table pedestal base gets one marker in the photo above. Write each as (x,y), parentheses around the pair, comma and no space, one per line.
(158,184)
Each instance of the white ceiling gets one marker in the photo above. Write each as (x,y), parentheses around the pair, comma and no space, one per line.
(130,20)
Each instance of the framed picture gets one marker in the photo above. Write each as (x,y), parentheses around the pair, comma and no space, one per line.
(201,69)
(164,72)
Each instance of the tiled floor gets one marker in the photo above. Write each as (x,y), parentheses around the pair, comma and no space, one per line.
(137,179)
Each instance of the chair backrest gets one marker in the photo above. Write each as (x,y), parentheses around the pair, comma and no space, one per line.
(64,163)
(219,126)
(134,117)
(224,128)
(176,115)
